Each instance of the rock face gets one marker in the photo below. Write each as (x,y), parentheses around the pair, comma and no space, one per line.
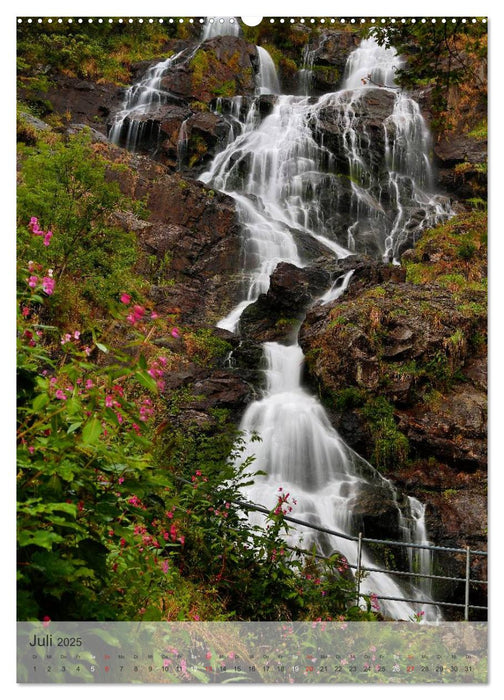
(276,314)
(326,57)
(223,66)
(83,101)
(405,342)
(192,238)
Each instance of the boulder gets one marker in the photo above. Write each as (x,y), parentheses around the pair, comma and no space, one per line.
(223,66)
(276,314)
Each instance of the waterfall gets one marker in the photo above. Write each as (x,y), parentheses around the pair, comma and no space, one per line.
(305,74)
(371,65)
(306,177)
(278,171)
(128,126)
(304,457)
(267,80)
(220,26)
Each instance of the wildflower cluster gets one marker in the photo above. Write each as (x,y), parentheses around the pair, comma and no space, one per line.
(283,506)
(43,281)
(37,231)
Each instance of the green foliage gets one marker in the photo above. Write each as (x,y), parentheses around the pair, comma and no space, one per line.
(391,447)
(64,184)
(442,55)
(100,51)
(226,89)
(199,66)
(480,131)
(348,398)
(467,250)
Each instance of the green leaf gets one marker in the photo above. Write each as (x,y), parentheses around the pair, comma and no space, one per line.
(146,380)
(91,431)
(75,426)
(40,401)
(41,538)
(101,347)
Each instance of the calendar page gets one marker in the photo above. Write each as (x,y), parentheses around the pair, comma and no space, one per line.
(252,350)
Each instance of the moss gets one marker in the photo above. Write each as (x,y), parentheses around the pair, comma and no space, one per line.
(480,131)
(286,322)
(391,447)
(347,399)
(199,66)
(226,89)
(198,106)
(197,148)
(328,74)
(204,347)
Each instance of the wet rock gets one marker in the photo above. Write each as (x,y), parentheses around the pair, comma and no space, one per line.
(276,315)
(376,509)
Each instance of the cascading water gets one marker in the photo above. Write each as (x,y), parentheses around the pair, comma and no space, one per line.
(268,83)
(371,65)
(284,167)
(220,26)
(292,185)
(305,74)
(140,99)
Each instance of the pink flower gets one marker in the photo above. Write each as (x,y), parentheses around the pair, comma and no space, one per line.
(87,350)
(175,332)
(32,281)
(76,335)
(47,238)
(89,384)
(48,285)
(374,602)
(60,394)
(66,338)
(165,566)
(109,401)
(46,621)
(25,311)
(125,298)
(154,315)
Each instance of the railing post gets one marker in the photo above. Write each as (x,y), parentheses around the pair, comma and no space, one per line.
(358,569)
(468,576)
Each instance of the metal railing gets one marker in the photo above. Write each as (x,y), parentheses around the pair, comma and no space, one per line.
(360,569)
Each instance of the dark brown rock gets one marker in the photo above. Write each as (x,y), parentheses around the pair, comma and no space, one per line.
(275,315)
(83,101)
(192,232)
(222,66)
